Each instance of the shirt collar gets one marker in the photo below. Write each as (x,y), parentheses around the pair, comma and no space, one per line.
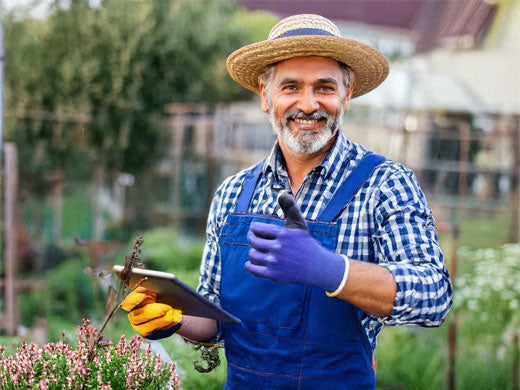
(342,150)
(275,163)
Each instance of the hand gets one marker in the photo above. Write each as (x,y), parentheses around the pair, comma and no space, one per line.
(150,319)
(293,216)
(290,255)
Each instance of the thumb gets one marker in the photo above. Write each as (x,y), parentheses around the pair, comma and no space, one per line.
(291,211)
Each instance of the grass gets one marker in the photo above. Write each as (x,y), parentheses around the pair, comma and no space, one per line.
(477,232)
(490,232)
(411,358)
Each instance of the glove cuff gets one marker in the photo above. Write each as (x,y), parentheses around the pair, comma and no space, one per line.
(163,333)
(343,281)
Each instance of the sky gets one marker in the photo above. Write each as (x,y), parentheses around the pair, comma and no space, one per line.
(37,8)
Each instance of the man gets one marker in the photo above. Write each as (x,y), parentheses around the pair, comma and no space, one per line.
(312,293)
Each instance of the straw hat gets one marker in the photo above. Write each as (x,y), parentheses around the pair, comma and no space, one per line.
(308,35)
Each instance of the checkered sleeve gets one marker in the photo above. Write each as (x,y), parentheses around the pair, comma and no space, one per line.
(409,249)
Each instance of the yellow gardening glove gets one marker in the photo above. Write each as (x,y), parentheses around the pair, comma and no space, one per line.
(150,319)
(139,297)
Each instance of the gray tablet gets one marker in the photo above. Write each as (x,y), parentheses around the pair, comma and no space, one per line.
(174,292)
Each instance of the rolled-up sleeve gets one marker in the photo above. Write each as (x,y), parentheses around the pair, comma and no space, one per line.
(408,247)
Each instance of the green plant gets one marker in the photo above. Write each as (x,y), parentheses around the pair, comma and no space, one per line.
(189,359)
(477,232)
(490,292)
(77,215)
(70,295)
(411,358)
(478,365)
(192,379)
(167,250)
(182,353)
(61,366)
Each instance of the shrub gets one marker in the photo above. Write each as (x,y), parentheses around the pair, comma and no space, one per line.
(166,250)
(89,366)
(411,357)
(490,293)
(70,295)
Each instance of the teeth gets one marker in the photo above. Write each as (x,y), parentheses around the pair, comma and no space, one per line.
(305,121)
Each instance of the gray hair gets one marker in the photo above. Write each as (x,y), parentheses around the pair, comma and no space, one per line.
(267,75)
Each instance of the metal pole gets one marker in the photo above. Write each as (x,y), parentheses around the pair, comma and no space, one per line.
(1,87)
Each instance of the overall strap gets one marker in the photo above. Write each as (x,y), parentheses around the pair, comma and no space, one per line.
(351,186)
(248,187)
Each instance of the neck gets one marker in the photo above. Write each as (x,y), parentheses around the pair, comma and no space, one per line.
(300,164)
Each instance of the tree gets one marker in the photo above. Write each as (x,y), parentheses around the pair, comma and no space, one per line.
(89,83)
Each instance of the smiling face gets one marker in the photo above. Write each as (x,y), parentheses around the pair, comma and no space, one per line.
(306,98)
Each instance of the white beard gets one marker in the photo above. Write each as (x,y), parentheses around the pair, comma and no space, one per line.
(306,141)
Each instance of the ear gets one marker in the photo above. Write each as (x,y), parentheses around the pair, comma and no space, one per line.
(349,96)
(263,98)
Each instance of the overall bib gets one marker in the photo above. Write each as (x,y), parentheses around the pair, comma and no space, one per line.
(291,336)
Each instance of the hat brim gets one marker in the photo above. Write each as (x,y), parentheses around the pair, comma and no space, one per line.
(369,65)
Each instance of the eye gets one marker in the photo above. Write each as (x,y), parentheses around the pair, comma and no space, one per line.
(325,88)
(289,87)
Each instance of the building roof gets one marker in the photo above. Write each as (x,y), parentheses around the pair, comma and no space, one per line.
(432,23)
(477,81)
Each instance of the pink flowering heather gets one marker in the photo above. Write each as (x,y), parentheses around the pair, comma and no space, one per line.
(89,366)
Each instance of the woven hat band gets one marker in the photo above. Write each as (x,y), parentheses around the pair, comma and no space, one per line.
(304,31)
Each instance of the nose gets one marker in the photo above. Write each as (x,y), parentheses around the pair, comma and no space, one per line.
(308,102)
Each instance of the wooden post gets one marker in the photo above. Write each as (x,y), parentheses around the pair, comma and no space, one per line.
(177,132)
(514,129)
(516,362)
(96,186)
(11,196)
(464,131)
(57,180)
(211,160)
(513,234)
(453,255)
(452,329)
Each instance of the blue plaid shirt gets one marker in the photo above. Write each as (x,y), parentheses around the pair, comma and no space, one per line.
(388,222)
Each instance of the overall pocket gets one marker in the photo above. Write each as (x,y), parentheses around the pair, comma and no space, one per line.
(271,306)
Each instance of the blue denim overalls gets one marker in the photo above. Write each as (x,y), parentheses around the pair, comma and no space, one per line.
(291,336)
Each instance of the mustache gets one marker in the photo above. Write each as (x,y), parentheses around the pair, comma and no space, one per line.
(302,115)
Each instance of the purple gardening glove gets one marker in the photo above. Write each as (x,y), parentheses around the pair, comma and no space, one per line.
(283,254)
(293,216)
